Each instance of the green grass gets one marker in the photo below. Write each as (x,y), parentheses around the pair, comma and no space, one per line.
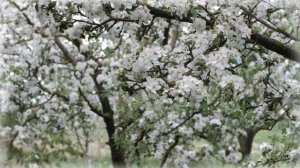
(105,162)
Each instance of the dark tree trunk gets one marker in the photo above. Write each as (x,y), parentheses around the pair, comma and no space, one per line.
(245,142)
(117,153)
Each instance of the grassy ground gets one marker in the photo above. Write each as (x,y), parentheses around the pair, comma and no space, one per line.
(104,161)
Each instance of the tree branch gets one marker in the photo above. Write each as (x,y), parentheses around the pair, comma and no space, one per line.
(267,42)
(65,51)
(269,25)
(165,14)
(168,152)
(276,46)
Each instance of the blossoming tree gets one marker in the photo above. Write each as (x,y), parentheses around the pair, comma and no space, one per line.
(160,75)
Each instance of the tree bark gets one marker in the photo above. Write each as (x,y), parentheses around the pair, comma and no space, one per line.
(245,142)
(276,46)
(117,153)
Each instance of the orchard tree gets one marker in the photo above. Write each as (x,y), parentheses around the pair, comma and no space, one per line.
(160,75)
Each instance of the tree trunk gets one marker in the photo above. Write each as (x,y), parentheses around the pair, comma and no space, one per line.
(117,153)
(245,142)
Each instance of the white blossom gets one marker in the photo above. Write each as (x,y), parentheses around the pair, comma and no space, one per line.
(265,147)
(294,154)
(74,97)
